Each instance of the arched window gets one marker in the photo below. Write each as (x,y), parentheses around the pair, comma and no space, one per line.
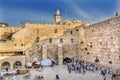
(17,65)
(5,64)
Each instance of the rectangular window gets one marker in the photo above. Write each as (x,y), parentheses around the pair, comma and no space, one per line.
(71,32)
(61,40)
(50,40)
(55,31)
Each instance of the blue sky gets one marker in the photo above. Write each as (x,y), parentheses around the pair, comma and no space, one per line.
(15,12)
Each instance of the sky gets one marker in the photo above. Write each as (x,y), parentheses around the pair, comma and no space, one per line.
(17,12)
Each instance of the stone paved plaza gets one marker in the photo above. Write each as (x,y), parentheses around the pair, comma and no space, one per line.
(49,73)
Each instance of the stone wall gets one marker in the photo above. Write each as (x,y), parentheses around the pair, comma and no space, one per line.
(8,30)
(23,38)
(98,43)
(53,48)
(11,60)
(101,41)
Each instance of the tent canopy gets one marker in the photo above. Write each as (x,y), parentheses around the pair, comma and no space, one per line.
(47,62)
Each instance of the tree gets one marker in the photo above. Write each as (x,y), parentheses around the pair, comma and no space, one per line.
(117,14)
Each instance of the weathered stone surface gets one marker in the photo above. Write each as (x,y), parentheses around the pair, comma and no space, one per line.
(84,42)
(101,40)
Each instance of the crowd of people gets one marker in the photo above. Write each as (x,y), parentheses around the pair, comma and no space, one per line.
(82,67)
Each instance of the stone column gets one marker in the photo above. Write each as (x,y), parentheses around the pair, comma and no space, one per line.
(44,52)
(27,56)
(11,65)
(60,54)
(23,62)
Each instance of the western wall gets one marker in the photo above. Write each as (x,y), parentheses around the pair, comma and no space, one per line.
(98,43)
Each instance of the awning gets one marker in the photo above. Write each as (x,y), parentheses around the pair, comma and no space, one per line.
(47,62)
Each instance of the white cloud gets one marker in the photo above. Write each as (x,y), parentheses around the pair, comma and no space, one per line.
(77,10)
(80,12)
(94,15)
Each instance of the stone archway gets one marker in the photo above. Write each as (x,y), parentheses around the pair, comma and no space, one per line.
(17,65)
(5,64)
